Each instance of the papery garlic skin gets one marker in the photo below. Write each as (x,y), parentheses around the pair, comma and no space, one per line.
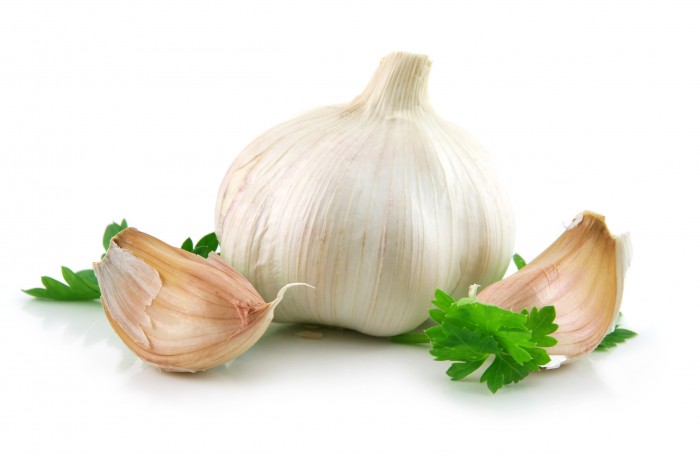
(582,275)
(375,203)
(177,310)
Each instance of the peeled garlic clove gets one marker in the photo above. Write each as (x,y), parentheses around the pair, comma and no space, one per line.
(177,310)
(375,203)
(581,274)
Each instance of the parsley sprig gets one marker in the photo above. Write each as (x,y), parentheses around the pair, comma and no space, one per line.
(469,332)
(111,231)
(79,285)
(82,285)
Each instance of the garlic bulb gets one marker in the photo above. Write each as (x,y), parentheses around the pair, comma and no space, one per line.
(177,310)
(582,275)
(375,203)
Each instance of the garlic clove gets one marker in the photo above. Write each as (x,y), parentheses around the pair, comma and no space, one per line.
(581,274)
(177,310)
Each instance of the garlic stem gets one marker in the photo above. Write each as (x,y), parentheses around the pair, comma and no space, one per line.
(400,83)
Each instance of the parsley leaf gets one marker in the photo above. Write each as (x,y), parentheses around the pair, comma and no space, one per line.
(518,261)
(469,333)
(82,285)
(411,338)
(504,370)
(506,327)
(79,285)
(617,336)
(208,243)
(540,322)
(451,341)
(111,230)
(187,245)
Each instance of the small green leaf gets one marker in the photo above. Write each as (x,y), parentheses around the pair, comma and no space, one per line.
(516,343)
(37,292)
(617,336)
(461,370)
(208,243)
(83,285)
(436,315)
(187,245)
(489,319)
(80,286)
(88,276)
(541,324)
(435,333)
(56,289)
(111,230)
(518,261)
(459,343)
(539,357)
(442,300)
(503,371)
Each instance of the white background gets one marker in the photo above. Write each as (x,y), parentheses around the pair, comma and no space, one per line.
(136,108)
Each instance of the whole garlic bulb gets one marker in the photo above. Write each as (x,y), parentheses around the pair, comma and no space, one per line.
(375,203)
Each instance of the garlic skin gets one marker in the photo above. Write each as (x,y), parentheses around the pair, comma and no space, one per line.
(375,203)
(177,310)
(582,275)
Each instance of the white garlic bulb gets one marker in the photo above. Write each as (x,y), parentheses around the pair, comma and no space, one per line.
(375,203)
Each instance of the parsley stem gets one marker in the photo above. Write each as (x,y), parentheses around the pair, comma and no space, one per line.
(411,338)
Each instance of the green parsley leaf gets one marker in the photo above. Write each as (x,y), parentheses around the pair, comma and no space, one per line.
(617,336)
(208,243)
(452,341)
(80,285)
(442,300)
(470,332)
(518,261)
(437,315)
(188,245)
(111,230)
(541,323)
(411,338)
(461,370)
(502,371)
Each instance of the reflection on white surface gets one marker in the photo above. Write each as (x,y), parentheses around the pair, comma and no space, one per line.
(282,360)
